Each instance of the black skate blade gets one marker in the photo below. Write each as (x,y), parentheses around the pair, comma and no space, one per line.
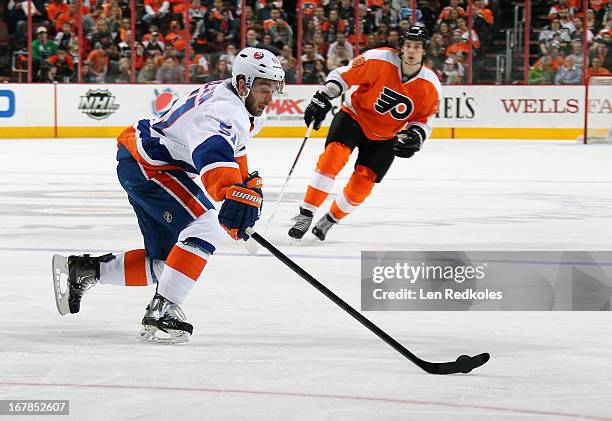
(463,364)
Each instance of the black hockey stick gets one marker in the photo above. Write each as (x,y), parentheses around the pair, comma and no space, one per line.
(463,364)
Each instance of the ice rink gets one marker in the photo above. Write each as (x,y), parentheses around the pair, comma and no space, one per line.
(268,346)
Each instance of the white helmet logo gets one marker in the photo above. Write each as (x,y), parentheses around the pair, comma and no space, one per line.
(258,55)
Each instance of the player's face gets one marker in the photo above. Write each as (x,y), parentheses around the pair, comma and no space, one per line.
(260,96)
(413,52)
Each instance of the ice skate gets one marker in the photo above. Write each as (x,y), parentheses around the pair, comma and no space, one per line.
(164,322)
(324,225)
(81,272)
(302,223)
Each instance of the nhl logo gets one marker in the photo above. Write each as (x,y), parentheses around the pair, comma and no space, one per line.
(258,55)
(98,104)
(168,216)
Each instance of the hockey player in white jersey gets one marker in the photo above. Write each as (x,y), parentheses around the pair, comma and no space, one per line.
(204,134)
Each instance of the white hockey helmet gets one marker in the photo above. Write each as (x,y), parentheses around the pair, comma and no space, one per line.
(257,62)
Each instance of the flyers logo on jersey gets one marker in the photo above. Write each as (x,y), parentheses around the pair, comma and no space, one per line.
(399,105)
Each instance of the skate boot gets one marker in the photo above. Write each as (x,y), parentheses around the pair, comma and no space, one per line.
(164,322)
(302,223)
(324,224)
(82,272)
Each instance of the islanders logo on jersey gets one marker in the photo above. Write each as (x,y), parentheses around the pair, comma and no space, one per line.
(163,101)
(398,105)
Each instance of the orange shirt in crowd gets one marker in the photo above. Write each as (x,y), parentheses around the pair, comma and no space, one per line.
(98,61)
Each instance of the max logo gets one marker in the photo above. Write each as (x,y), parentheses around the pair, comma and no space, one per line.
(399,105)
(282,106)
(7,103)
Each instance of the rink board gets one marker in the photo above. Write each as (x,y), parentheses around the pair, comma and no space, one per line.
(104,110)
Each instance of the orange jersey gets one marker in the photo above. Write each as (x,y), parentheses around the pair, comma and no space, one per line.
(383,105)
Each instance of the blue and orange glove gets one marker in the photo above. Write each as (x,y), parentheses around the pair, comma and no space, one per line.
(242,207)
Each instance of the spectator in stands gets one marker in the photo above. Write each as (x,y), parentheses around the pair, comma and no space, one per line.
(230,54)
(252,38)
(320,72)
(281,33)
(222,71)
(437,50)
(542,73)
(309,59)
(451,20)
(289,64)
(98,64)
(387,15)
(445,32)
(113,20)
(406,12)
(64,38)
(63,64)
(463,27)
(69,15)
(346,11)
(123,74)
(55,8)
(577,34)
(560,8)
(333,26)
(382,32)
(569,73)
(319,16)
(86,76)
(148,72)
(597,69)
(452,71)
(319,43)
(309,30)
(577,53)
(337,58)
(372,42)
(393,40)
(553,33)
(155,11)
(482,23)
(368,19)
(457,44)
(199,68)
(101,32)
(454,5)
(125,48)
(42,49)
(154,46)
(170,71)
(266,44)
(48,74)
(214,16)
(341,40)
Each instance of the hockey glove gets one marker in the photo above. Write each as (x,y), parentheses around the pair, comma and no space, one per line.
(317,110)
(409,142)
(241,208)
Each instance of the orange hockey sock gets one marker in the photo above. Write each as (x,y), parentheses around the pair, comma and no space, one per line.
(357,189)
(331,161)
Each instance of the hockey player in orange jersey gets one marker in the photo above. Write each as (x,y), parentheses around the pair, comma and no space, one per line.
(387,116)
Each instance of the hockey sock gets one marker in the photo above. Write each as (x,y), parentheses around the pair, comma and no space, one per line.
(357,189)
(132,268)
(183,267)
(331,161)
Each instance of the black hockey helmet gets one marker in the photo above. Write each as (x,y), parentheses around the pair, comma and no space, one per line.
(416,33)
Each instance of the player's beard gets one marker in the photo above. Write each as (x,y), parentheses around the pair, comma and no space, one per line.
(251,107)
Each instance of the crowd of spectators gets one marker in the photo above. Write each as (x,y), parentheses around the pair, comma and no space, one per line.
(212,36)
(561,55)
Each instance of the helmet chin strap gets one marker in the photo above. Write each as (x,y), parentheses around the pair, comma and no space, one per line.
(420,64)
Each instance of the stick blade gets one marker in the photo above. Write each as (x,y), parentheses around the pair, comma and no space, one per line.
(463,364)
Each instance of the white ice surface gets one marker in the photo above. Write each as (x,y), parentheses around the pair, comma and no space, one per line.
(268,346)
